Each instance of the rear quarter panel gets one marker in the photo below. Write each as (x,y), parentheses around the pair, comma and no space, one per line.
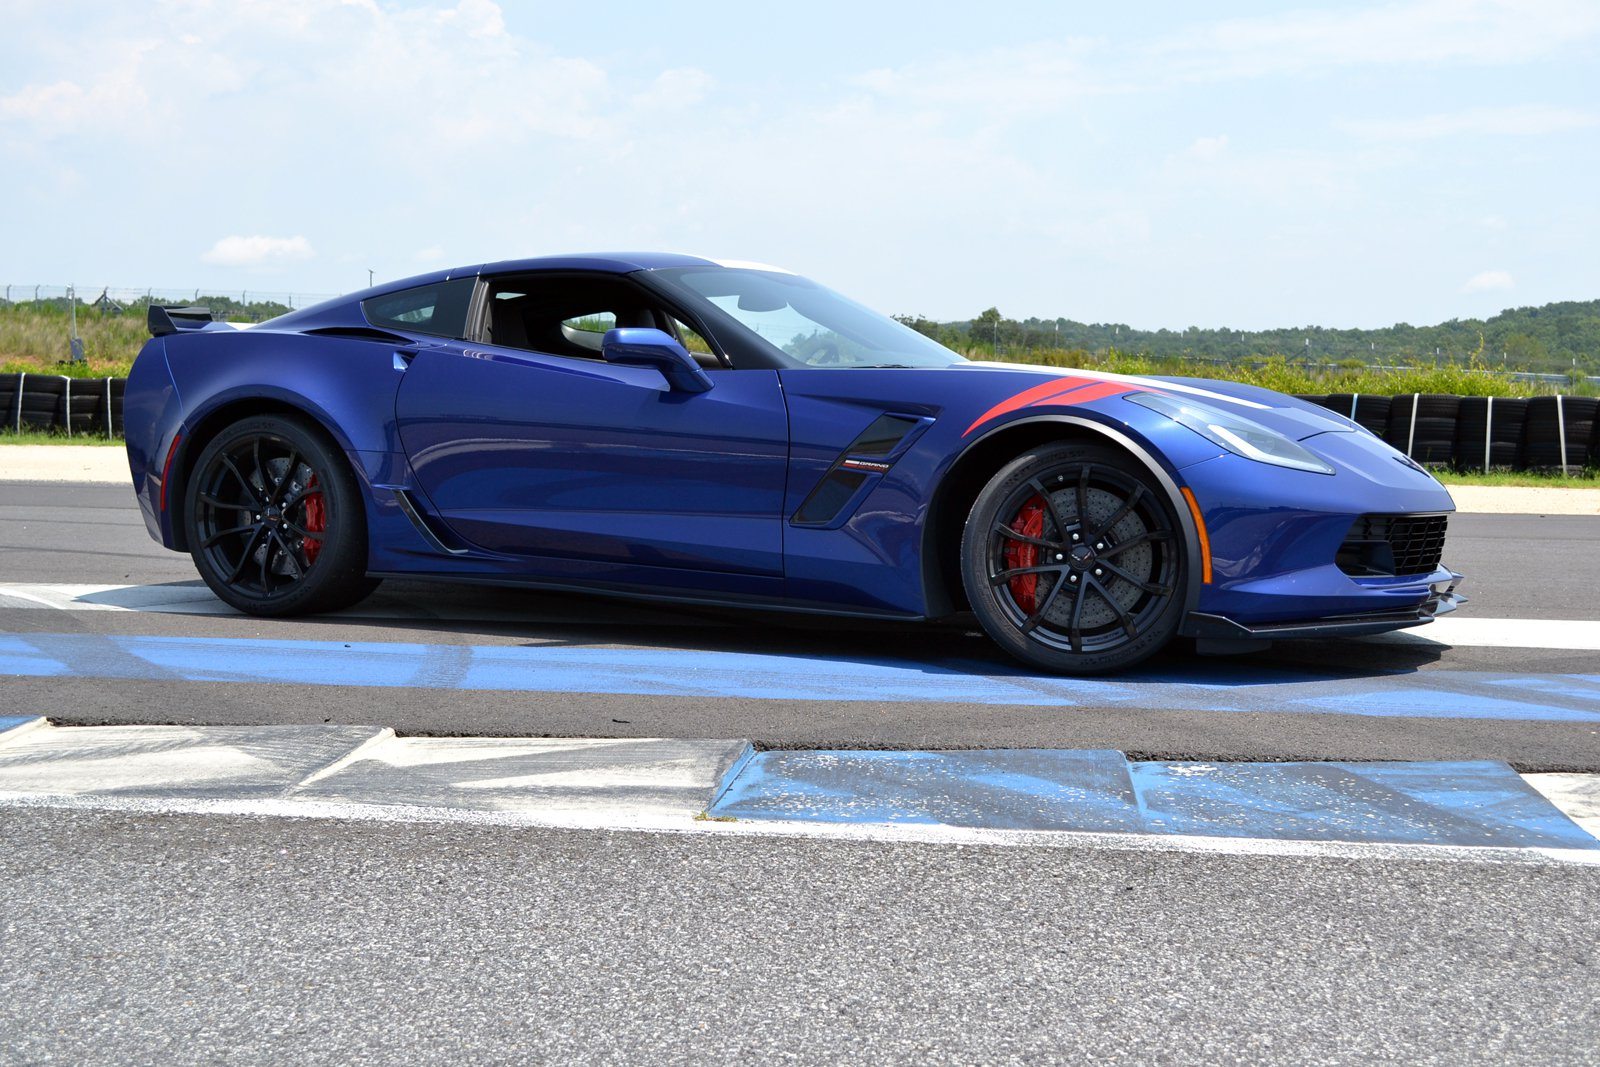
(346,385)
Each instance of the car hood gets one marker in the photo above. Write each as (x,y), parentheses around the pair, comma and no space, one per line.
(1294,418)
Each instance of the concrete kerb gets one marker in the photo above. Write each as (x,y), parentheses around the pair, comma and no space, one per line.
(15,726)
(1477,811)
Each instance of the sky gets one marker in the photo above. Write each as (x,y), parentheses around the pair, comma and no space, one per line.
(1156,164)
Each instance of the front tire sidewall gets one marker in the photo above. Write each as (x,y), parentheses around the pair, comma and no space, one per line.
(338,577)
(983,596)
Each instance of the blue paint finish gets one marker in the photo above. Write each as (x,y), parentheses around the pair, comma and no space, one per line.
(1016,789)
(547,456)
(1212,687)
(1481,803)
(1441,803)
(8,722)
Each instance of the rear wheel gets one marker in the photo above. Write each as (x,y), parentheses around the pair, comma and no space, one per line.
(275,519)
(1073,560)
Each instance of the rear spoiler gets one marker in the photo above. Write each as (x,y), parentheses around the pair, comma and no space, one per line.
(165,320)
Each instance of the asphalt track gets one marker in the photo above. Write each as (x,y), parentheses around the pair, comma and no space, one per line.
(198,939)
(128,936)
(463,660)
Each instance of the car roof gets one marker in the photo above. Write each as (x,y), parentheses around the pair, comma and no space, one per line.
(346,310)
(618,262)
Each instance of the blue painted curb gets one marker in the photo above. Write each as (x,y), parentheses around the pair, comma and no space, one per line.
(9,722)
(1464,803)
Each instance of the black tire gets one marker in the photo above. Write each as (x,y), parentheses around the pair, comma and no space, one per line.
(275,519)
(1112,595)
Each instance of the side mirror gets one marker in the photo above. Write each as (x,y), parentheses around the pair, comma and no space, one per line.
(644,347)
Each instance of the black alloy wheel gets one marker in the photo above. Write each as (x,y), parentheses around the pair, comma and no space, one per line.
(1073,560)
(275,520)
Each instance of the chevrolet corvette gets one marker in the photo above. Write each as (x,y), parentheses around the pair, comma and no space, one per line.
(667,428)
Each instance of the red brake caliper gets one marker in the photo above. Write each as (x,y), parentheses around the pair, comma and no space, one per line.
(316,521)
(1030,523)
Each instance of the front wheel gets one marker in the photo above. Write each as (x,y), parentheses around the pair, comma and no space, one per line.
(1073,560)
(275,519)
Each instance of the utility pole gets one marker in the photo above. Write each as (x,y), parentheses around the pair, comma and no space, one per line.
(75,344)
(369,277)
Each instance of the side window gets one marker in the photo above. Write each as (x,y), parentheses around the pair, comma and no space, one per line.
(698,346)
(569,315)
(589,331)
(438,310)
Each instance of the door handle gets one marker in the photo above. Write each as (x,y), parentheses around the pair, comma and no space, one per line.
(403,358)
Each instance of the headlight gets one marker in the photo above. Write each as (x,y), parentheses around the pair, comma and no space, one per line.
(1233,433)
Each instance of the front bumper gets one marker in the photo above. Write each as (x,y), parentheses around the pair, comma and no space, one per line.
(1441,599)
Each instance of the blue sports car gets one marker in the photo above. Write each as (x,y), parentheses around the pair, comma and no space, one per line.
(663,427)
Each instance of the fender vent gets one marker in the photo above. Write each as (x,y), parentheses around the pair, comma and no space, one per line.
(882,438)
(831,494)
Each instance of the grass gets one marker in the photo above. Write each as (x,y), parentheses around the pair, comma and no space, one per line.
(1587,479)
(33,340)
(35,437)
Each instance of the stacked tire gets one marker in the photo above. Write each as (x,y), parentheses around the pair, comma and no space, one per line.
(1560,431)
(8,400)
(53,403)
(1489,432)
(1369,409)
(40,408)
(1423,426)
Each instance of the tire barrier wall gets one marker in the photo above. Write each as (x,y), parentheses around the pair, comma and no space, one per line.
(1439,430)
(1480,433)
(55,403)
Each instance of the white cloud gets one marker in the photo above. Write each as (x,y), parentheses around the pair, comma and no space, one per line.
(464,75)
(1528,119)
(1487,280)
(1208,148)
(1026,78)
(1411,34)
(679,87)
(256,250)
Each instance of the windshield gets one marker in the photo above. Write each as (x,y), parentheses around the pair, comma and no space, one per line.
(808,325)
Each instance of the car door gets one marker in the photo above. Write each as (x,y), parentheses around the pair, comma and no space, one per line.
(599,471)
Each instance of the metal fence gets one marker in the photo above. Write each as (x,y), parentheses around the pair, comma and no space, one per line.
(238,302)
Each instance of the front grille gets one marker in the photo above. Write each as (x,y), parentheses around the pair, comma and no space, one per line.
(1393,544)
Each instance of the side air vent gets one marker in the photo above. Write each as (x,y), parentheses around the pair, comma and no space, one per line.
(870,455)
(831,494)
(880,438)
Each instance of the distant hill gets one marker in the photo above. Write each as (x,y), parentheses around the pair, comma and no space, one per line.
(1551,338)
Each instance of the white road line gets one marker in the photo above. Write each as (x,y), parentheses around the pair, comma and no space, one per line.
(1577,635)
(652,821)
(193,598)
(185,598)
